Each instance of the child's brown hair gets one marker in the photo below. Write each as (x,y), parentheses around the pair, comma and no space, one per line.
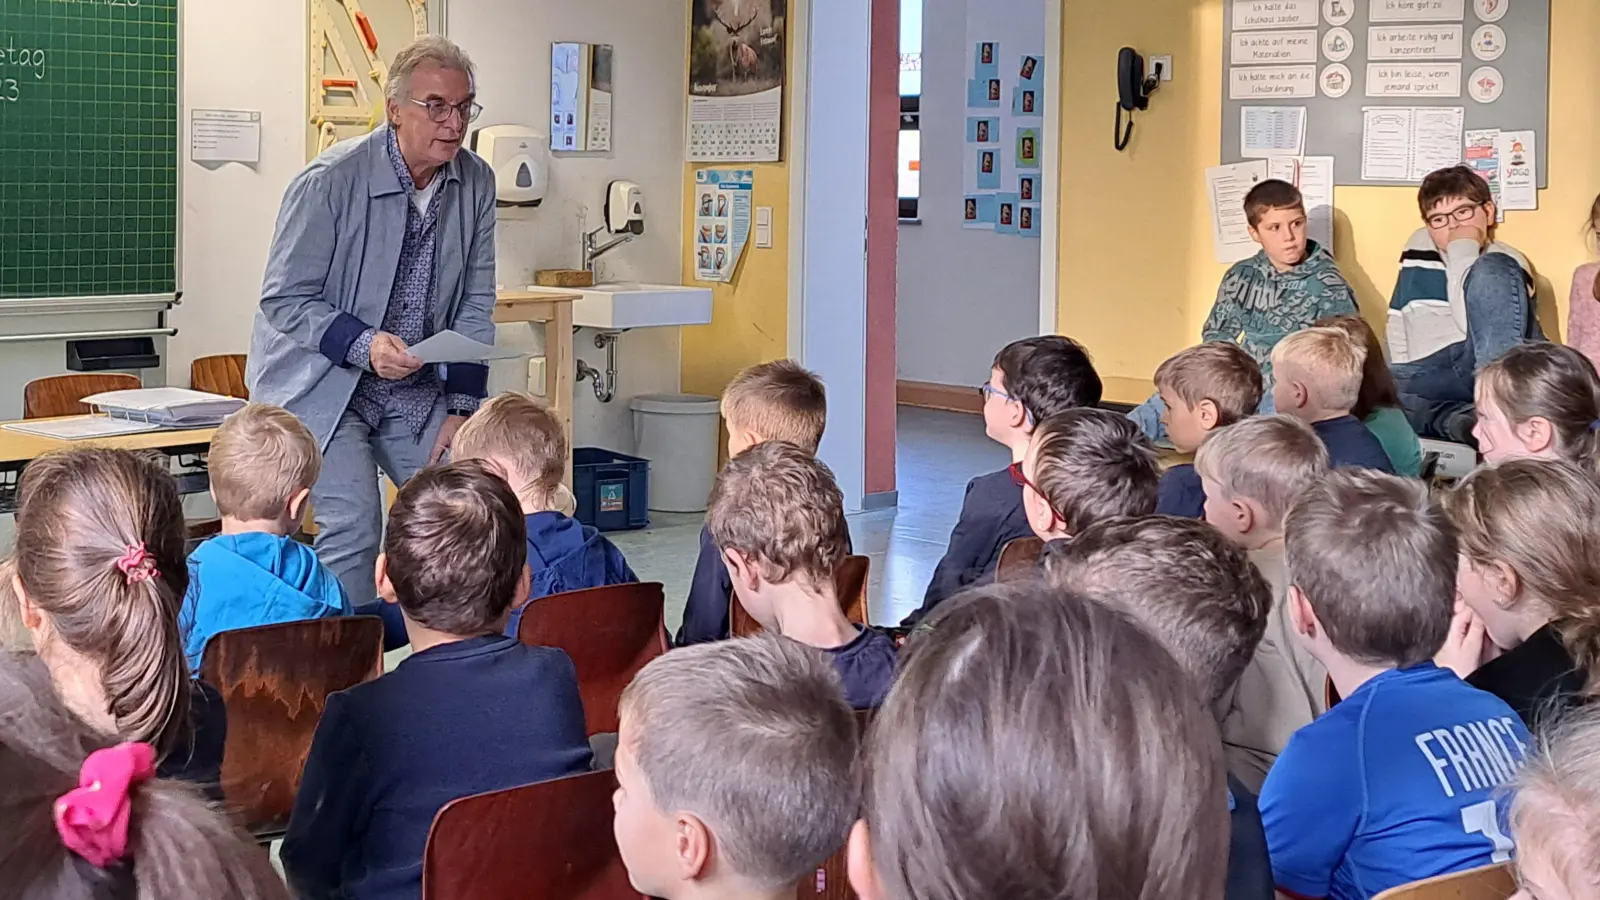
(781,508)
(1454,182)
(780,401)
(1377,382)
(179,847)
(1554,382)
(523,433)
(1218,371)
(1012,698)
(1093,464)
(1269,195)
(100,552)
(260,458)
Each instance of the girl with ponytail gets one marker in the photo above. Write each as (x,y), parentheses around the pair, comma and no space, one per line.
(1527,625)
(1539,399)
(99,577)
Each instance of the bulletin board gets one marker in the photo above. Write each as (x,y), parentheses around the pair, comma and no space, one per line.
(1340,60)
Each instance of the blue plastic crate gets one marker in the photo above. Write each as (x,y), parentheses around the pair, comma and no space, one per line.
(612,489)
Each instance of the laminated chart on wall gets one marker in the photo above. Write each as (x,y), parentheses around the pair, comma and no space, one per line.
(721,222)
(1003,148)
(1390,89)
(737,71)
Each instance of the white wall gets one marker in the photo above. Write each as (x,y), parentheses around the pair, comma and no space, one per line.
(962,294)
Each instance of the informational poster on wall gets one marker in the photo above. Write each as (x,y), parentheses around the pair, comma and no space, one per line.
(1003,151)
(721,222)
(737,70)
(1390,89)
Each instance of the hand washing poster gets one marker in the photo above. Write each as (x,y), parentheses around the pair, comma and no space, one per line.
(1003,151)
(737,52)
(721,221)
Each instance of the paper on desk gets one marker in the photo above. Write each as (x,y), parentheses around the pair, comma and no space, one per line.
(1266,131)
(77,428)
(455,347)
(1313,175)
(1230,231)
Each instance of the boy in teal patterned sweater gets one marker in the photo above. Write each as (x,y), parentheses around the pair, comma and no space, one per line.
(1287,286)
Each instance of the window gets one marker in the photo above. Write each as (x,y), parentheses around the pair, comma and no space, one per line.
(910,167)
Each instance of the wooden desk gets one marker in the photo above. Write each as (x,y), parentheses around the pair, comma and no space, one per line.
(553,308)
(18,449)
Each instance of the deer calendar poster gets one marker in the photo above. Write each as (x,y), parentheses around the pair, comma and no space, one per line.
(737,67)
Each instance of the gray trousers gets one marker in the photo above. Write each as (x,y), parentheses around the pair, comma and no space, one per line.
(347,499)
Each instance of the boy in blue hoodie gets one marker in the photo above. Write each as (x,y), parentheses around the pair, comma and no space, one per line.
(263,463)
(521,437)
(1287,286)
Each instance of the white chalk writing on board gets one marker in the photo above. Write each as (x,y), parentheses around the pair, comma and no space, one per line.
(1254,47)
(1417,10)
(1272,82)
(1250,15)
(1413,80)
(1414,42)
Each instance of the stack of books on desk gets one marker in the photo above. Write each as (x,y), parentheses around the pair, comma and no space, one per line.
(166,407)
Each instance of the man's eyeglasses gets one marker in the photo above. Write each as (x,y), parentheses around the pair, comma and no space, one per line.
(1460,214)
(439,111)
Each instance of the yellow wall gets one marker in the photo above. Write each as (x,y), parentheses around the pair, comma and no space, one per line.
(1136,275)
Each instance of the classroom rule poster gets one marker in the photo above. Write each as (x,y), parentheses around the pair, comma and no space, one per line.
(737,71)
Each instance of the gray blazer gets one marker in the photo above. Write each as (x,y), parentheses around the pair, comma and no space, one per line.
(332,267)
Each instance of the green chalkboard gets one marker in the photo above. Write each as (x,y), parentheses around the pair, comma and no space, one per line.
(88,147)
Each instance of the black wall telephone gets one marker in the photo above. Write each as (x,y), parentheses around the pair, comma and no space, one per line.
(1134,88)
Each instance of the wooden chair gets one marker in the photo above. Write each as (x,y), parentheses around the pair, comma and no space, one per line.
(546,841)
(222,374)
(1019,560)
(1494,882)
(849,582)
(610,633)
(62,395)
(275,681)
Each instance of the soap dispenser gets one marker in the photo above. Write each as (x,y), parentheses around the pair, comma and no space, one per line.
(625,208)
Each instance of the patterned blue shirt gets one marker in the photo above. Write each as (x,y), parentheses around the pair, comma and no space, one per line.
(409,317)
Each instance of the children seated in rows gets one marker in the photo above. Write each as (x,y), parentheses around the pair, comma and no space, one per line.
(262,463)
(1083,466)
(777,516)
(1252,472)
(1319,375)
(470,711)
(772,401)
(1029,381)
(736,770)
(1202,388)
(523,440)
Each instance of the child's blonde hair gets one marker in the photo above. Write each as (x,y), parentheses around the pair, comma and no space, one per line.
(260,458)
(1553,382)
(1538,517)
(1219,371)
(1555,806)
(1330,361)
(780,401)
(1267,459)
(780,506)
(522,432)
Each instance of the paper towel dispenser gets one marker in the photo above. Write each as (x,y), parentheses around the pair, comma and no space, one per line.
(520,160)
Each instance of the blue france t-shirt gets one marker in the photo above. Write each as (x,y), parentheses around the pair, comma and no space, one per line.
(1396,783)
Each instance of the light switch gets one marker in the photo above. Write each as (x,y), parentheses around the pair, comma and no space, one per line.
(764,227)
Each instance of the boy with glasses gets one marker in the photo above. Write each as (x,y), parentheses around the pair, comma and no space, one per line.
(1462,299)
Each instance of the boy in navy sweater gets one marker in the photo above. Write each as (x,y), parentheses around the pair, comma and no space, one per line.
(1030,380)
(470,711)
(772,401)
(1202,388)
(778,518)
(1401,780)
(1084,466)
(519,436)
(1319,372)
(1197,594)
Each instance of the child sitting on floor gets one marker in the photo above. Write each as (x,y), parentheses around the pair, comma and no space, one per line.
(736,770)
(1378,404)
(521,438)
(263,463)
(1319,381)
(778,518)
(1029,381)
(1252,472)
(772,401)
(1082,466)
(470,711)
(1203,388)
(1539,400)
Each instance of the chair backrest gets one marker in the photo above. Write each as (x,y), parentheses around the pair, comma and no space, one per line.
(1494,882)
(849,582)
(275,681)
(546,841)
(61,395)
(1019,559)
(222,374)
(610,633)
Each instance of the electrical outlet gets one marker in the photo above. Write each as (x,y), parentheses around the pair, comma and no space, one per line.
(764,227)
(1165,62)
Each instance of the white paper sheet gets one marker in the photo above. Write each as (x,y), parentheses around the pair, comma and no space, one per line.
(1418,10)
(1386,143)
(1258,47)
(78,428)
(1313,175)
(1227,186)
(1436,141)
(1414,42)
(1519,170)
(1272,82)
(1414,80)
(454,347)
(225,135)
(1267,131)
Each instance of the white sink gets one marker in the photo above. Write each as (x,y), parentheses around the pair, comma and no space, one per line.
(640,305)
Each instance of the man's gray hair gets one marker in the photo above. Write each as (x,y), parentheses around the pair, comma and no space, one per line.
(440,51)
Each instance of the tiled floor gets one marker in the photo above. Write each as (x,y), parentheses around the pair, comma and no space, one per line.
(938,454)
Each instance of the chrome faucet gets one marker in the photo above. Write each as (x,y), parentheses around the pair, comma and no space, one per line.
(592,252)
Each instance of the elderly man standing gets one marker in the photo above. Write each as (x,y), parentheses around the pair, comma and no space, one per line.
(381,241)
